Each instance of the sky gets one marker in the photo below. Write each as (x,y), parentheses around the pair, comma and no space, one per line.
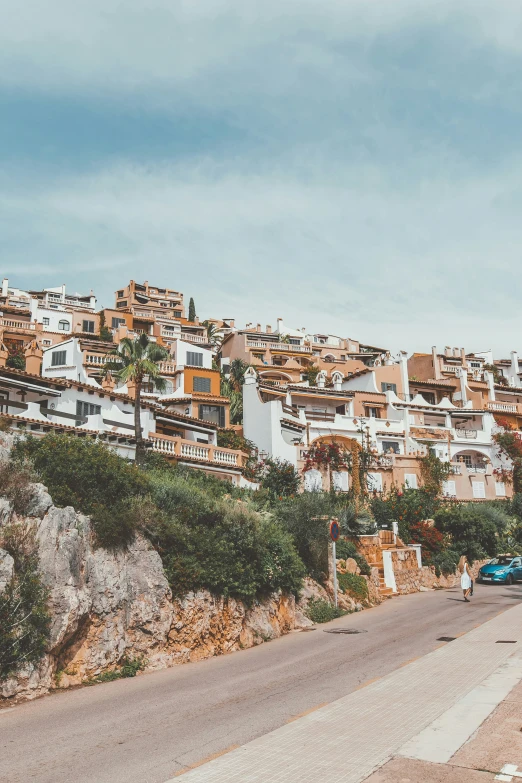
(351,166)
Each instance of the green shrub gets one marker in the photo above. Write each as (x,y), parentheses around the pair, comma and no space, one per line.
(280,478)
(321,611)
(24,617)
(344,549)
(306,517)
(353,584)
(15,484)
(445,562)
(474,529)
(129,667)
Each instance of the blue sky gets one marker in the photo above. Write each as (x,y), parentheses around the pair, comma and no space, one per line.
(348,165)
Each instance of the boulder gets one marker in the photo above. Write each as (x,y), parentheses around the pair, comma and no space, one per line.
(6,569)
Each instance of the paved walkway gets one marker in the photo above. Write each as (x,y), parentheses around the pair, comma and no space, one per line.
(346,740)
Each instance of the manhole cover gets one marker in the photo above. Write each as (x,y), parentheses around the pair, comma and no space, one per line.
(344,630)
(446,638)
(506,641)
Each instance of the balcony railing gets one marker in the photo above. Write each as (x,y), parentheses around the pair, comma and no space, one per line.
(23,325)
(279,346)
(502,407)
(194,338)
(100,360)
(451,368)
(166,368)
(319,416)
(466,434)
(180,448)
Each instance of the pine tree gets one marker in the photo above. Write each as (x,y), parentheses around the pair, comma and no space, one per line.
(192,310)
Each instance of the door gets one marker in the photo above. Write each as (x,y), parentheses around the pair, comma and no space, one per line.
(517,568)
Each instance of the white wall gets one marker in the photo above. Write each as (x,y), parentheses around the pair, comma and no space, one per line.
(73,369)
(180,348)
(262,425)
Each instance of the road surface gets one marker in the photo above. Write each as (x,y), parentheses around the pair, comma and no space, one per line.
(148,729)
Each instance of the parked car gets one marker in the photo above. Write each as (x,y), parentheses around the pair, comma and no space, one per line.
(504,568)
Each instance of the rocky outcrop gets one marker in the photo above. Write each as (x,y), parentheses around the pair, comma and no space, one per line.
(109,605)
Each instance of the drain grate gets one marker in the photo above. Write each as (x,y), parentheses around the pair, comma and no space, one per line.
(506,641)
(344,630)
(446,638)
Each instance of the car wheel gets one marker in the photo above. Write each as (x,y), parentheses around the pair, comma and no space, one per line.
(509,580)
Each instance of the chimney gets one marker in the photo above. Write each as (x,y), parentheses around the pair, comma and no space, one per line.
(5,286)
(436,364)
(232,323)
(258,327)
(403,361)
(447,350)
(268,329)
(321,379)
(463,377)
(514,362)
(490,380)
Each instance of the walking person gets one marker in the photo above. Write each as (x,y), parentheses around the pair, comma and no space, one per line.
(465,579)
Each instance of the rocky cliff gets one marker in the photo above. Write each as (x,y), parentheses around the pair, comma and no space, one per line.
(109,605)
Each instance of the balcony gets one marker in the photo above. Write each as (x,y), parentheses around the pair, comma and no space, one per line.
(194,338)
(198,452)
(98,361)
(23,326)
(453,368)
(502,407)
(166,368)
(278,346)
(466,434)
(319,416)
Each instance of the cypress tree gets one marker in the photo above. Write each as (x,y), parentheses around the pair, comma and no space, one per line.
(192,310)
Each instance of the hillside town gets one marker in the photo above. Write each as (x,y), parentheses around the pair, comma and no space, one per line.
(297,390)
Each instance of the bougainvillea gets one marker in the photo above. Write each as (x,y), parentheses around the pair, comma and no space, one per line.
(327,455)
(431,539)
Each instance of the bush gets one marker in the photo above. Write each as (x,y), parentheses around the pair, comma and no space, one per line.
(431,539)
(306,517)
(222,545)
(321,611)
(474,529)
(129,667)
(280,478)
(344,549)
(24,617)
(445,562)
(353,584)
(15,485)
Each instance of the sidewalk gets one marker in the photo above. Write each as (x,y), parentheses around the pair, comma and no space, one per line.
(347,740)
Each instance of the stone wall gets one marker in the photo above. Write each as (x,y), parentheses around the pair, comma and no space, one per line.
(411,579)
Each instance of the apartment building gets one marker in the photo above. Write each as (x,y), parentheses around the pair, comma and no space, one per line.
(396,428)
(157,311)
(285,355)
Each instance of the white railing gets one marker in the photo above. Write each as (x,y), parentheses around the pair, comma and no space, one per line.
(456,470)
(17,324)
(476,468)
(195,451)
(226,457)
(180,448)
(194,338)
(98,360)
(450,368)
(279,346)
(167,368)
(164,446)
(466,434)
(502,407)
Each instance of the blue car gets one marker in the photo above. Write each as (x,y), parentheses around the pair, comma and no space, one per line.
(505,569)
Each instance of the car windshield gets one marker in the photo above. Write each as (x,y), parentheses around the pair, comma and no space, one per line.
(501,561)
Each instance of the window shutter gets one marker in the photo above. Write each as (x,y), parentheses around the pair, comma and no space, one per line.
(500,489)
(410,479)
(340,480)
(201,384)
(194,359)
(313,481)
(479,490)
(374,481)
(449,488)
(58,358)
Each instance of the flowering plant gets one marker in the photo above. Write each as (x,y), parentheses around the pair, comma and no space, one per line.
(327,455)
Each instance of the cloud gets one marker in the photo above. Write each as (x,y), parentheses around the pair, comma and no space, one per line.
(404,268)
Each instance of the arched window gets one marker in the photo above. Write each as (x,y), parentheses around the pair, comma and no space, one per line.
(64,326)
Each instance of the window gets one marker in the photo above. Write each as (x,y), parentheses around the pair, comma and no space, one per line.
(213,413)
(177,313)
(411,418)
(122,304)
(340,481)
(341,410)
(46,342)
(64,326)
(466,458)
(88,326)
(389,387)
(449,488)
(373,413)
(478,489)
(390,447)
(313,481)
(86,409)
(374,482)
(410,479)
(500,489)
(428,397)
(194,359)
(294,341)
(201,384)
(120,294)
(117,322)
(46,321)
(477,365)
(58,358)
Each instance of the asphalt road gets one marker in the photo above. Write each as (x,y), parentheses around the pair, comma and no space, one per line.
(148,729)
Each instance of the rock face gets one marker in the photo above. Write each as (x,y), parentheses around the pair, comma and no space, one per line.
(109,605)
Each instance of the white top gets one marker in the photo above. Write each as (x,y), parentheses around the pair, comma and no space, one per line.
(465,579)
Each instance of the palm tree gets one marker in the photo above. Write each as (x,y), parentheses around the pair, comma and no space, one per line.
(232,387)
(135,360)
(236,374)
(213,335)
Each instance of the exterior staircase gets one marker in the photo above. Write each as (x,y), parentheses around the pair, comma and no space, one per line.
(387,541)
